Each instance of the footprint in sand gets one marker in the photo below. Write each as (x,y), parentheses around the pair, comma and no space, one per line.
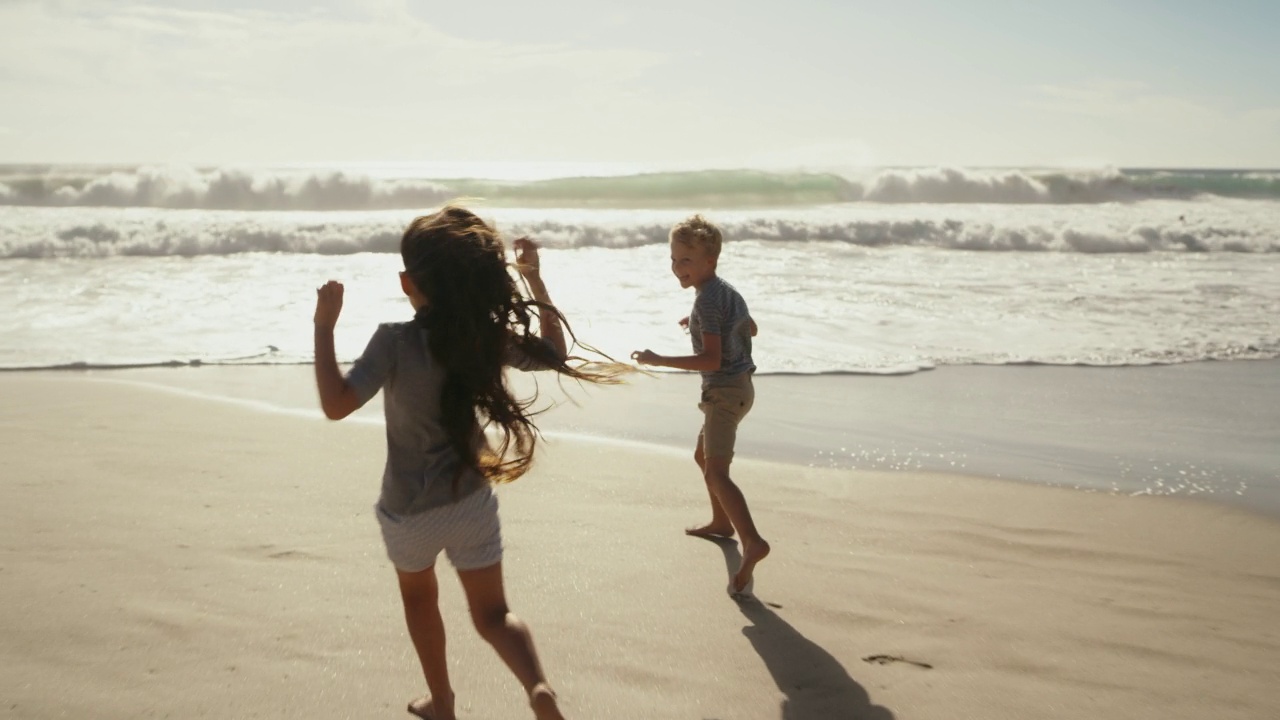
(272,552)
(886,659)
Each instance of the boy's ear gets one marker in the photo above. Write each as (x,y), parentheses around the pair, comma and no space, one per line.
(406,284)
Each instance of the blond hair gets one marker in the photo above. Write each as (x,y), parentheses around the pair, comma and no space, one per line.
(698,232)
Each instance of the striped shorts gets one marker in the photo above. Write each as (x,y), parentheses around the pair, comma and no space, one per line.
(467,531)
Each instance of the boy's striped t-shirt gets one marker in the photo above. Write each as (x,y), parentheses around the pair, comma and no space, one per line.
(719,309)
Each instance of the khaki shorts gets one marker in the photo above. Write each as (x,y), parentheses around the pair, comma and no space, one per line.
(723,407)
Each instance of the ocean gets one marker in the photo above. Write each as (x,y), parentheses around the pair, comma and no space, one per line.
(893,271)
(877,274)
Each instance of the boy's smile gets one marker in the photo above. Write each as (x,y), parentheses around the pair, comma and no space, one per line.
(692,266)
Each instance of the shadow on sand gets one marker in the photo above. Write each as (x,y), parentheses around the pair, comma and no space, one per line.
(815,684)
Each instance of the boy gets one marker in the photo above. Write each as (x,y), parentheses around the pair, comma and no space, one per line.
(721,329)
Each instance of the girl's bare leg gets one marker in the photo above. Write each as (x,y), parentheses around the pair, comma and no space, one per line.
(420,594)
(509,636)
(720,525)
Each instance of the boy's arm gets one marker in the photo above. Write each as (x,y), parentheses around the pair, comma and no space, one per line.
(337,399)
(706,361)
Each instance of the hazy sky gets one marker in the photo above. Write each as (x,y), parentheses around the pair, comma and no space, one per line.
(659,82)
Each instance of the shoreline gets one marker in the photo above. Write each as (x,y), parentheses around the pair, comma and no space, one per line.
(90,367)
(1208,431)
(165,554)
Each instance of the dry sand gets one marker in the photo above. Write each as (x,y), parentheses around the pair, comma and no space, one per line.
(167,556)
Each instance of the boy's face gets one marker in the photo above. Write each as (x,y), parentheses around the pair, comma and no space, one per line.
(692,266)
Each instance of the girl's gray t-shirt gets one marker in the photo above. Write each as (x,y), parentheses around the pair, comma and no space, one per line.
(421,464)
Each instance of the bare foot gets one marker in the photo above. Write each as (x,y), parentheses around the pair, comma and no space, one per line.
(424,707)
(711,531)
(752,554)
(543,701)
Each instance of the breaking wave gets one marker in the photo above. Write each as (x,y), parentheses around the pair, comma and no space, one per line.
(258,190)
(127,233)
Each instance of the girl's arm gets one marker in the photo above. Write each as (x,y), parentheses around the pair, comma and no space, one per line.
(337,399)
(529,266)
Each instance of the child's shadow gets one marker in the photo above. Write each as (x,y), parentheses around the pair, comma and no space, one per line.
(816,685)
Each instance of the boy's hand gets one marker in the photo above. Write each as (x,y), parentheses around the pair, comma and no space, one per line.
(645,357)
(684,323)
(328,304)
(527,261)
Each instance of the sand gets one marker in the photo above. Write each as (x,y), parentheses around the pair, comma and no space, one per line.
(165,555)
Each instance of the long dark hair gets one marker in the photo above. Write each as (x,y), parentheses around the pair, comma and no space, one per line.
(475,316)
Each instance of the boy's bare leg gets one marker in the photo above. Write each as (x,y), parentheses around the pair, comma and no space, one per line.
(754,547)
(420,594)
(509,637)
(720,525)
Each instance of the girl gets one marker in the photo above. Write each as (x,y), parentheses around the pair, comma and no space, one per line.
(442,378)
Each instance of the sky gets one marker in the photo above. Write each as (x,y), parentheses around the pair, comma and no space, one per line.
(653,84)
